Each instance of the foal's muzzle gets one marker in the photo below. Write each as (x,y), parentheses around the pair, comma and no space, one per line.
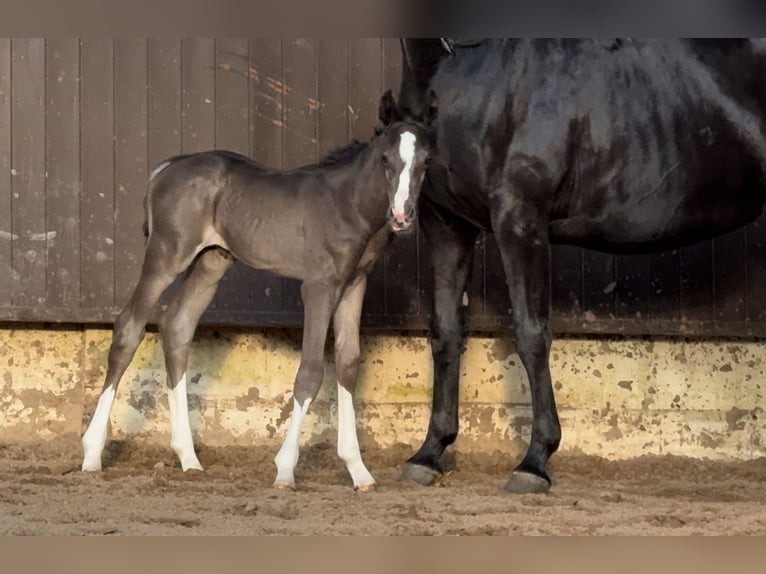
(401,222)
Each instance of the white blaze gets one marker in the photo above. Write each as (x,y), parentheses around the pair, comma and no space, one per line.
(407,153)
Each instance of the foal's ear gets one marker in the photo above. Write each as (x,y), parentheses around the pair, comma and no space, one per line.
(388,112)
(432,112)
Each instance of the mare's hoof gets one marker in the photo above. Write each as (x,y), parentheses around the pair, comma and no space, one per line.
(366,488)
(419,474)
(527,483)
(284,486)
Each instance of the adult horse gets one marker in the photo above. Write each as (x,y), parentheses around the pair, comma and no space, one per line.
(325,224)
(624,146)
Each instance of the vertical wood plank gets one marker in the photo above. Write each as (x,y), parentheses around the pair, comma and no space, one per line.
(755,236)
(131,162)
(697,287)
(164,99)
(729,259)
(232,132)
(232,114)
(598,285)
(300,101)
(566,281)
(266,140)
(364,91)
(665,285)
(197,94)
(6,202)
(332,91)
(97,173)
(28,173)
(632,289)
(267,106)
(62,86)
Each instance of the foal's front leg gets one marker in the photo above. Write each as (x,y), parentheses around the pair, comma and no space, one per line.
(346,326)
(319,301)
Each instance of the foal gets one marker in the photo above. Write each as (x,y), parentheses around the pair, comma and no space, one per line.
(325,224)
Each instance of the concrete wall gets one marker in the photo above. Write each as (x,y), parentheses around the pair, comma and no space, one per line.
(617,398)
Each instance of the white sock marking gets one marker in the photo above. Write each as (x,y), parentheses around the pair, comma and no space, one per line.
(287,457)
(181,440)
(94,439)
(348,445)
(407,153)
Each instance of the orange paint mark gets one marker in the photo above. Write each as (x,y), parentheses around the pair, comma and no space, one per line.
(278,86)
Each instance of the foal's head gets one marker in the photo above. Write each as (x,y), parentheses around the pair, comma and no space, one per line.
(405,149)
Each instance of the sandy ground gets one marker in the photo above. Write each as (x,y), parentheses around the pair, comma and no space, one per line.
(143,492)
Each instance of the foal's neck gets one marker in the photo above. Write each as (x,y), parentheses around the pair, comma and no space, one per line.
(361,184)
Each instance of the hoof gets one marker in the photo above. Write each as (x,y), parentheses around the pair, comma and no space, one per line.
(366,488)
(527,483)
(419,474)
(91,466)
(284,486)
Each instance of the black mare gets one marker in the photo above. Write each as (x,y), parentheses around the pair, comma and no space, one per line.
(325,224)
(623,146)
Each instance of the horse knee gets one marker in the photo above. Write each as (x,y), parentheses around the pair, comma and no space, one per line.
(533,342)
(347,365)
(308,380)
(446,340)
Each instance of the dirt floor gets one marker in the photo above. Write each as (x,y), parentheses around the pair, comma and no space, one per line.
(143,492)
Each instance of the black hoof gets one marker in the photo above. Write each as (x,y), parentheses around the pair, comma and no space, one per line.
(419,474)
(527,483)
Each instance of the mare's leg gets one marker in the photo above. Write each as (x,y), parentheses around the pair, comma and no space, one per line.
(520,224)
(451,244)
(177,327)
(157,274)
(319,301)
(346,326)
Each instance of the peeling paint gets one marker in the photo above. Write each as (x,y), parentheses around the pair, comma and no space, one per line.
(678,396)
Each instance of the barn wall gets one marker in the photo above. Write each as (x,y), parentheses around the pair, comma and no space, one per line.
(617,397)
(82,123)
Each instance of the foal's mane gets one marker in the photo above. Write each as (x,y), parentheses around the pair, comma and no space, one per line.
(343,153)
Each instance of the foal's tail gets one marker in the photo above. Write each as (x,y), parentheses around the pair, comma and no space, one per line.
(150,188)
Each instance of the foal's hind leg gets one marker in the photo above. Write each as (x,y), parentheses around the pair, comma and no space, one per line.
(129,329)
(346,325)
(177,327)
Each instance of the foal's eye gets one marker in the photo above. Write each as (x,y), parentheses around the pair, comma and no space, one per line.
(384,160)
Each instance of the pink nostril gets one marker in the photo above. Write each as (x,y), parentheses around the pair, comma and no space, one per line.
(398,215)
